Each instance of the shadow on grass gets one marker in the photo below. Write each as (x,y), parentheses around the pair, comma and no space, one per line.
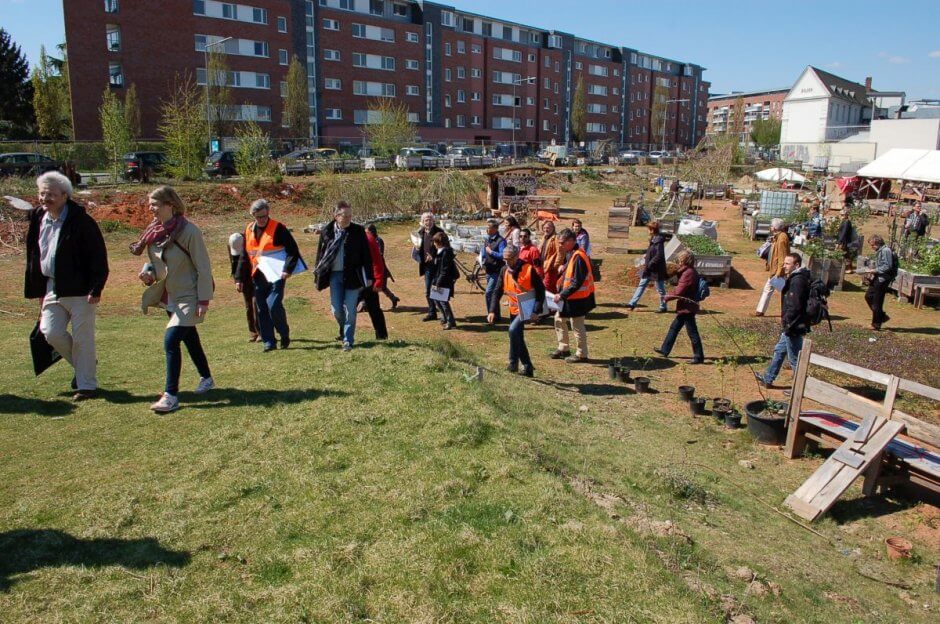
(639,365)
(590,389)
(27,550)
(12,404)
(927,331)
(232,397)
(608,316)
(846,511)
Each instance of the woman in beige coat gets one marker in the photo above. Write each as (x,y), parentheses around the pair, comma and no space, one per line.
(178,279)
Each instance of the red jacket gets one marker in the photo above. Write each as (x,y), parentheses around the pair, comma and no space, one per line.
(378,262)
(685,292)
(533,256)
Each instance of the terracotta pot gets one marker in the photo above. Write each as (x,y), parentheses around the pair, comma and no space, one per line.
(898,548)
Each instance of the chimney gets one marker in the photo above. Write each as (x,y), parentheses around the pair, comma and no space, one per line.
(868,83)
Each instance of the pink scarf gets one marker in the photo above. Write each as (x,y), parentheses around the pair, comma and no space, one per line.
(159,233)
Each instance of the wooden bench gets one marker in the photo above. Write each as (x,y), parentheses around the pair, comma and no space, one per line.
(872,447)
(922,291)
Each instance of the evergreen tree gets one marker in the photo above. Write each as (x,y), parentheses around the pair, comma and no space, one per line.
(296,106)
(115,132)
(579,113)
(16,91)
(51,101)
(132,112)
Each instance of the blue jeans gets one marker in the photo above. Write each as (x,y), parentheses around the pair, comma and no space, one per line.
(492,281)
(343,301)
(687,321)
(428,279)
(174,355)
(660,288)
(518,352)
(269,300)
(789,347)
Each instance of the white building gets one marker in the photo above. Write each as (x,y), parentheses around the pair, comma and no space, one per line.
(823,107)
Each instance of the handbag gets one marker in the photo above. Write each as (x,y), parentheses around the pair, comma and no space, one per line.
(43,354)
(763,251)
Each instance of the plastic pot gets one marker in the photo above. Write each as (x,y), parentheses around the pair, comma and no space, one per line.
(719,411)
(641,384)
(612,369)
(623,374)
(686,393)
(732,419)
(697,407)
(766,429)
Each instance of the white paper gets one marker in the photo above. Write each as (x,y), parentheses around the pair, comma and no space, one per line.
(526,303)
(272,265)
(551,303)
(440,294)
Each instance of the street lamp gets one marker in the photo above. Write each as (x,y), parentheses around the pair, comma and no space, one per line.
(666,104)
(205,52)
(515,83)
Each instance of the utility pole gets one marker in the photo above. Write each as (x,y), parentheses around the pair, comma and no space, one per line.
(516,83)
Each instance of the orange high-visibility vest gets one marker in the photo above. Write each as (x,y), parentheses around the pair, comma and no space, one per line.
(587,288)
(255,248)
(513,288)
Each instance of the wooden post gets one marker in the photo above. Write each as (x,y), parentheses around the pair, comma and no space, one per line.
(795,440)
(891,395)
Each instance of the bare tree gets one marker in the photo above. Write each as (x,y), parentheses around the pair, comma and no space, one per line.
(115,132)
(658,113)
(296,106)
(132,112)
(219,94)
(391,129)
(184,128)
(579,112)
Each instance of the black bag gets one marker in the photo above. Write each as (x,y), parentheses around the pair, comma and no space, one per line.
(43,354)
(596,269)
(893,271)
(817,304)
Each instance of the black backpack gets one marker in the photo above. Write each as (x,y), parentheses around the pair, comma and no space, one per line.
(893,271)
(817,304)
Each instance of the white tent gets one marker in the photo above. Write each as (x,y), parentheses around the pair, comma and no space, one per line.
(780,174)
(914,165)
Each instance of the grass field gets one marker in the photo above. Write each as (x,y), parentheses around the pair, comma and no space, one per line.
(389,485)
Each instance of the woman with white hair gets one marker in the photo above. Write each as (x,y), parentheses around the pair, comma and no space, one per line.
(779,248)
(66,267)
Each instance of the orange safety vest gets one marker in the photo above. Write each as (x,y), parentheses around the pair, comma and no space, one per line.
(513,288)
(587,288)
(263,246)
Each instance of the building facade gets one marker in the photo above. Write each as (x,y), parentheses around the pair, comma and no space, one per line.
(755,105)
(465,78)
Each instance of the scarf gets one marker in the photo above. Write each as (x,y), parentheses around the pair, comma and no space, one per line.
(334,247)
(158,233)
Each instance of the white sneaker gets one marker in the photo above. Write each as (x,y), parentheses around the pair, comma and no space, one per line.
(166,404)
(205,384)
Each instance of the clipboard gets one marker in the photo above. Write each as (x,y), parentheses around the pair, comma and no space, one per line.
(526,303)
(439,294)
(272,265)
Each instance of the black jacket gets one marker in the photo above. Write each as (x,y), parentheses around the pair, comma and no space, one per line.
(427,248)
(655,259)
(846,235)
(357,259)
(537,285)
(282,238)
(793,300)
(81,260)
(578,307)
(920,225)
(444,269)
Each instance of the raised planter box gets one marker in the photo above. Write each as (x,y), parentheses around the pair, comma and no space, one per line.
(906,281)
(830,270)
(714,268)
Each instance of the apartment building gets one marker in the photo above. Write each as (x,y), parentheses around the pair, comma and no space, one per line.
(756,105)
(464,77)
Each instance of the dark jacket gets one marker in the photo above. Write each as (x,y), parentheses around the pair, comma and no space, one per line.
(655,259)
(81,260)
(357,259)
(493,261)
(793,300)
(846,235)
(427,248)
(444,270)
(282,238)
(578,307)
(686,291)
(537,285)
(920,225)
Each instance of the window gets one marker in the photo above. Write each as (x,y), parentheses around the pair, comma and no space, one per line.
(535,38)
(447,122)
(531,58)
(414,117)
(461,47)
(260,16)
(281,24)
(282,57)
(461,73)
(461,121)
(507,33)
(615,91)
(199,7)
(505,54)
(331,55)
(578,65)
(487,29)
(229,11)
(447,75)
(469,25)
(475,120)
(361,31)
(111,6)
(447,102)
(411,37)
(377,7)
(476,72)
(411,64)
(557,66)
(548,83)
(262,81)
(261,48)
(505,77)
(548,62)
(330,24)
(598,70)
(476,49)
(373,61)
(476,96)
(374,89)
(333,84)
(446,49)
(545,125)
(600,109)
(447,18)
(546,106)
(282,85)
(346,5)
(115,75)
(412,90)
(461,96)
(334,113)
(597,90)
(400,10)
(596,128)
(113,34)
(554,41)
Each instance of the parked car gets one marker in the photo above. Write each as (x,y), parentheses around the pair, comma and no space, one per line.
(428,156)
(658,154)
(304,160)
(142,166)
(464,151)
(629,156)
(27,164)
(221,164)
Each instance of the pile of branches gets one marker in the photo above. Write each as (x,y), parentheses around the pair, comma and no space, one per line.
(13,226)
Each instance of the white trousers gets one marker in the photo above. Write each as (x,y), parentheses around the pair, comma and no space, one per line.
(77,348)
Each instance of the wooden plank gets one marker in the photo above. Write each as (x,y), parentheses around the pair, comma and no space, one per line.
(891,395)
(795,442)
(818,480)
(918,429)
(618,235)
(850,369)
(840,398)
(864,430)
(801,508)
(871,476)
(917,388)
(849,457)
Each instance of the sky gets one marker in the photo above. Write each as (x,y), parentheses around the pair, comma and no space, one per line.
(896,43)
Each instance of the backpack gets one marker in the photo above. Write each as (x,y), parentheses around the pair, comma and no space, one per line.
(893,271)
(704,291)
(817,304)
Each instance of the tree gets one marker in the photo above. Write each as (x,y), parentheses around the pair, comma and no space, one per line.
(184,127)
(737,119)
(579,113)
(252,158)
(391,130)
(51,98)
(658,113)
(219,94)
(115,131)
(16,91)
(296,107)
(132,112)
(766,132)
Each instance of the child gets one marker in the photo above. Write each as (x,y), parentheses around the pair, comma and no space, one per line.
(444,270)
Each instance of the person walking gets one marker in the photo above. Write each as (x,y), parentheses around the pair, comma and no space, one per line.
(236,245)
(518,277)
(370,295)
(654,268)
(793,320)
(370,229)
(424,255)
(575,298)
(886,269)
(445,277)
(528,252)
(552,258)
(267,237)
(345,266)
(779,248)
(685,295)
(846,240)
(66,268)
(178,279)
(513,231)
(814,225)
(582,237)
(491,259)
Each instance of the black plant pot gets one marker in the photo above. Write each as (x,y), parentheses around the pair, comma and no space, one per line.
(765,429)
(732,419)
(697,407)
(641,384)
(686,393)
(623,374)
(612,370)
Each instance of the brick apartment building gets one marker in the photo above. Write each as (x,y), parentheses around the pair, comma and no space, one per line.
(465,78)
(757,105)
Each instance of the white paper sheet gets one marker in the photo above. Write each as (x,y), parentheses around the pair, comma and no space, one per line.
(526,303)
(272,266)
(550,303)
(440,294)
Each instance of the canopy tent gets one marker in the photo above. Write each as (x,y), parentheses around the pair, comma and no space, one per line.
(910,165)
(780,174)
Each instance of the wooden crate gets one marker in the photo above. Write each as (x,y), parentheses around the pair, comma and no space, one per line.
(620,219)
(830,270)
